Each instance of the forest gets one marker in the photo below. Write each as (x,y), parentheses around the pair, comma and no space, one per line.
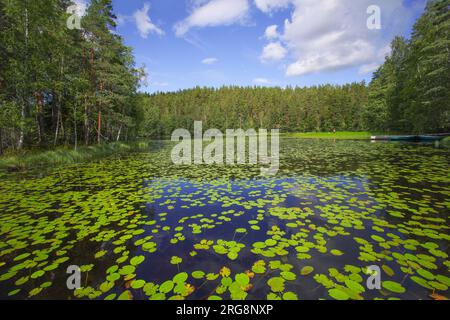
(70,87)
(60,86)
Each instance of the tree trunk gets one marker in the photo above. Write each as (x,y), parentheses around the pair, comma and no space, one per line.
(22,130)
(61,125)
(99,128)
(58,95)
(86,123)
(119,133)
(23,103)
(1,141)
(39,116)
(58,124)
(75,127)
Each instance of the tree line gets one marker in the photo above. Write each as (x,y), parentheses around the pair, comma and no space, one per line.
(63,86)
(67,87)
(319,108)
(409,93)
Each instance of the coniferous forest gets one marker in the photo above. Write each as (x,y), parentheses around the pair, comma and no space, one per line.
(62,86)
(69,87)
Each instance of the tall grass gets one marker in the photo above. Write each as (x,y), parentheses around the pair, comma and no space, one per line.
(29,159)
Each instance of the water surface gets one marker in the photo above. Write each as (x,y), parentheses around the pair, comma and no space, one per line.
(142,228)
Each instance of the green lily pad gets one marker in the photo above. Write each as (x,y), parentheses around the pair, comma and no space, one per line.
(138,284)
(180,278)
(306,270)
(242,279)
(166,287)
(198,274)
(127,270)
(135,261)
(176,260)
(393,286)
(290,276)
(276,284)
(338,294)
(290,296)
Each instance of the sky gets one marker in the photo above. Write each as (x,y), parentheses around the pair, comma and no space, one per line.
(188,43)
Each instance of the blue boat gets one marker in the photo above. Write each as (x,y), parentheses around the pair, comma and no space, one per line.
(430,138)
(403,138)
(419,138)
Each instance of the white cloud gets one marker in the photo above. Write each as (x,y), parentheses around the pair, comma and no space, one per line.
(210,61)
(272,32)
(261,81)
(271,5)
(326,35)
(144,24)
(274,51)
(213,13)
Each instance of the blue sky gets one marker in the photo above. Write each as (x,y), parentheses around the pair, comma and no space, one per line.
(185,43)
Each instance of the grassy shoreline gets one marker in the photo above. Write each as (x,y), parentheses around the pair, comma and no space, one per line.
(34,158)
(345,135)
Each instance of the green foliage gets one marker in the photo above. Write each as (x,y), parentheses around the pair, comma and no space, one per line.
(410,92)
(321,108)
(60,156)
(57,83)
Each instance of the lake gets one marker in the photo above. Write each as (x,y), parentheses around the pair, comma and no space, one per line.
(140,227)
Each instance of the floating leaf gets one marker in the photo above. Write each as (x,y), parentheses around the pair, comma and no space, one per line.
(307,270)
(287,275)
(393,286)
(290,296)
(126,295)
(242,279)
(176,260)
(198,274)
(138,284)
(127,270)
(135,261)
(338,294)
(336,252)
(276,284)
(166,287)
(388,270)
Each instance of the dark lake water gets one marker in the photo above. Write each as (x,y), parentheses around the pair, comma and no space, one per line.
(140,227)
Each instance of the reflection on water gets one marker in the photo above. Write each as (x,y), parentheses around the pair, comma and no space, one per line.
(334,208)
